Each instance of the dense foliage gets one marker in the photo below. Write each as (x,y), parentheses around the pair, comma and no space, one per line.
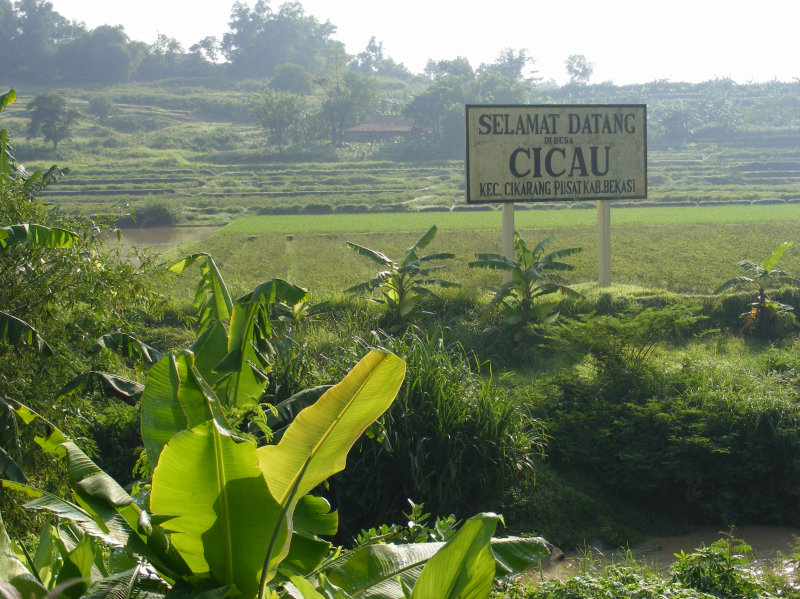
(60,288)
(226,509)
(701,440)
(451,439)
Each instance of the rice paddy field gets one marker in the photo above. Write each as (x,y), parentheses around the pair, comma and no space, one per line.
(679,249)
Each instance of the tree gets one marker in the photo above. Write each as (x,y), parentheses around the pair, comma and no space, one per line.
(208,48)
(103,55)
(440,108)
(40,30)
(8,31)
(292,78)
(368,61)
(51,118)
(278,113)
(765,315)
(373,62)
(457,67)
(260,39)
(511,64)
(348,96)
(579,69)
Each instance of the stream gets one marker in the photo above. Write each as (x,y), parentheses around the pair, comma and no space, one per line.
(769,544)
(162,239)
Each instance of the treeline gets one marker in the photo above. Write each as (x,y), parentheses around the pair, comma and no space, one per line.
(304,88)
(42,46)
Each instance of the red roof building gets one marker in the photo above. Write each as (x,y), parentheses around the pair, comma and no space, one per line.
(380,127)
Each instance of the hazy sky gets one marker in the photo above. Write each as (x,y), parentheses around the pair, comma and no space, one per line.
(627,41)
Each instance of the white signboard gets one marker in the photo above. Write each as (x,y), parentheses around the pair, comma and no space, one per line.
(556,152)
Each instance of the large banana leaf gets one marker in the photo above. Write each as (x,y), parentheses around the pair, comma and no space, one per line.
(175,398)
(250,326)
(315,445)
(128,346)
(10,446)
(312,517)
(411,253)
(41,235)
(373,255)
(131,584)
(14,331)
(77,566)
(464,568)
(378,571)
(103,509)
(7,98)
(47,502)
(111,385)
(221,512)
(211,295)
(13,571)
(515,554)
(770,262)
(9,469)
(210,349)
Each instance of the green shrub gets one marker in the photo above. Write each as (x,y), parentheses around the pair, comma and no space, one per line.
(155,213)
(317,209)
(703,437)
(718,570)
(625,581)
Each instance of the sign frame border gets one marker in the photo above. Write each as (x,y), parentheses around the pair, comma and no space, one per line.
(468,107)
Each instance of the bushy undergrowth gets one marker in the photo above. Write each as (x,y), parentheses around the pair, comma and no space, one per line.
(702,435)
(153,213)
(450,440)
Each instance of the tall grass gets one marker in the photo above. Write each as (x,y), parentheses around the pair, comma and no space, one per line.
(450,439)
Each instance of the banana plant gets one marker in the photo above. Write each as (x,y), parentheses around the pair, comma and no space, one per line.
(61,565)
(223,517)
(534,274)
(232,351)
(764,314)
(403,284)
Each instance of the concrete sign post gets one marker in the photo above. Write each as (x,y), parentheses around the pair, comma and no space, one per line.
(557,153)
(508,236)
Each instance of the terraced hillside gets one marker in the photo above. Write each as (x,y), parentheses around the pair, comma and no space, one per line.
(190,156)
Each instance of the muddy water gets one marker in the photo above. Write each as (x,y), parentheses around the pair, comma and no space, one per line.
(161,239)
(768,543)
